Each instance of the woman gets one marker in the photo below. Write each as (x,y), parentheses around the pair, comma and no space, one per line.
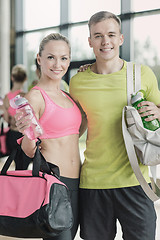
(18,77)
(59,117)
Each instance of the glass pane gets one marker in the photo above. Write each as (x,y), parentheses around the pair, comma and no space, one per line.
(141,5)
(41,13)
(82,10)
(146,42)
(79,42)
(31,43)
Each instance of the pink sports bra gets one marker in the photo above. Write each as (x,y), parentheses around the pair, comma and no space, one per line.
(57,121)
(11,95)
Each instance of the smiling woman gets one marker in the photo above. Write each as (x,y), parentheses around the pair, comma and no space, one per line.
(59,117)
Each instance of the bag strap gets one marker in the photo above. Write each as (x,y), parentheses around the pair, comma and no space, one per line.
(2,126)
(134,161)
(129,82)
(39,163)
(133,86)
(12,156)
(137,77)
(127,138)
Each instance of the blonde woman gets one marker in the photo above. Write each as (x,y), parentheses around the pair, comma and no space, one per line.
(60,118)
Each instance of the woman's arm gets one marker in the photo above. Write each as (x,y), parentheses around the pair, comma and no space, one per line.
(23,122)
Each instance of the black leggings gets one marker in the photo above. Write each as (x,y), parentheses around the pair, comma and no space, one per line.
(73,185)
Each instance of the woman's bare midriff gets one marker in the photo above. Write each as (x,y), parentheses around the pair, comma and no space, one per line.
(63,152)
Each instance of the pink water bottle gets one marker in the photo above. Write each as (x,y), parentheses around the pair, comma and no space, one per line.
(21,105)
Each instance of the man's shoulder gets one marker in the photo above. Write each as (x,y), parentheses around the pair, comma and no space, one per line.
(76,76)
(79,76)
(146,70)
(144,67)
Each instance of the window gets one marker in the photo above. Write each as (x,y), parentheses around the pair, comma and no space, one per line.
(140,5)
(146,42)
(31,43)
(40,13)
(78,36)
(41,17)
(82,10)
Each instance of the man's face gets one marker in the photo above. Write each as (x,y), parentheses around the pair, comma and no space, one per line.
(105,39)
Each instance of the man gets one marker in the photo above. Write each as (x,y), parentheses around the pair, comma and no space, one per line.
(109,189)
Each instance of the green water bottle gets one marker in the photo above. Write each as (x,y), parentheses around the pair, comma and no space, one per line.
(135,100)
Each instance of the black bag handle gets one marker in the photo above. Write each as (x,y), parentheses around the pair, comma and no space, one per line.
(39,163)
(8,162)
(2,126)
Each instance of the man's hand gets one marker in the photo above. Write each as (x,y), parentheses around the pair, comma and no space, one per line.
(150,110)
(83,68)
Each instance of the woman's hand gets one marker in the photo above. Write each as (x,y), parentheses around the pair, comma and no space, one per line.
(83,67)
(22,122)
(149,110)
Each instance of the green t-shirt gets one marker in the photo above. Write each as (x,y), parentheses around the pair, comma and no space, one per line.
(102,98)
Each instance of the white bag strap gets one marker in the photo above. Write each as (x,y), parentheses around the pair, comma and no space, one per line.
(130,89)
(137,77)
(130,83)
(127,138)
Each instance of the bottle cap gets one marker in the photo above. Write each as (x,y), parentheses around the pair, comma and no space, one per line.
(136,97)
(17,101)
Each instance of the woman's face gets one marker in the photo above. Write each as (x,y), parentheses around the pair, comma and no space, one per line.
(54,60)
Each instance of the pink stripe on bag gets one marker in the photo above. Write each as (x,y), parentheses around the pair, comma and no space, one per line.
(16,200)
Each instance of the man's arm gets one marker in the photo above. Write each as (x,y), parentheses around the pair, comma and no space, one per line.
(83,126)
(72,92)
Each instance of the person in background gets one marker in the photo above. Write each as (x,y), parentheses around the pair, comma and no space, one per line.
(1,106)
(59,117)
(18,78)
(109,189)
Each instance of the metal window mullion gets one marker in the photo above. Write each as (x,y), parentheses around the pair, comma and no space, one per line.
(127,30)
(4,47)
(64,16)
(64,19)
(19,45)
